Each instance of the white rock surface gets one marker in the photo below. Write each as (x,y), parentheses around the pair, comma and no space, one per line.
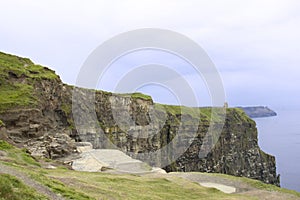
(224,188)
(95,160)
(89,163)
(84,146)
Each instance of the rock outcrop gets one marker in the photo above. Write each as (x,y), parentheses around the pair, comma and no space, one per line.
(258,111)
(36,108)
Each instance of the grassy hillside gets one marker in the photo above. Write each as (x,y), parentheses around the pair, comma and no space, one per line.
(84,185)
(13,188)
(17,77)
(20,173)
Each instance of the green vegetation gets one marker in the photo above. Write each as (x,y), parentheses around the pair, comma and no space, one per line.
(20,160)
(204,113)
(104,92)
(1,123)
(17,67)
(18,76)
(109,186)
(269,187)
(137,95)
(257,184)
(19,93)
(13,189)
(83,185)
(239,114)
(58,187)
(67,108)
(16,95)
(178,110)
(13,61)
(5,146)
(17,156)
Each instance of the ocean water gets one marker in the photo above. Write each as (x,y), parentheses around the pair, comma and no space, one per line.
(280,136)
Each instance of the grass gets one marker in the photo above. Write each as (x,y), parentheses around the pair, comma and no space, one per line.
(58,187)
(22,161)
(18,156)
(178,110)
(269,187)
(13,189)
(137,95)
(17,66)
(5,146)
(12,60)
(204,113)
(84,185)
(109,186)
(1,123)
(17,79)
(67,108)
(16,95)
(257,184)
(20,92)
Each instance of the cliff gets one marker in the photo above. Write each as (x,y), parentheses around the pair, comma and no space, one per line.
(258,111)
(36,108)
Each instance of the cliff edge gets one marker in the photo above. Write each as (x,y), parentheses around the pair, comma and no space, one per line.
(258,111)
(36,108)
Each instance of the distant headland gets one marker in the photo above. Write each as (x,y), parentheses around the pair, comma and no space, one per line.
(258,111)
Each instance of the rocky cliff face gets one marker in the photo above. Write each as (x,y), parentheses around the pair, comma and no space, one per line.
(36,108)
(30,107)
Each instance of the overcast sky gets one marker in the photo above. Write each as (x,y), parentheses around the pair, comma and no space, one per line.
(255,45)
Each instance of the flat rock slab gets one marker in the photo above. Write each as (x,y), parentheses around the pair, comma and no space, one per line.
(99,159)
(223,188)
(88,163)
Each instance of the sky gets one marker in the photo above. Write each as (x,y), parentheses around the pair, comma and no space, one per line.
(255,45)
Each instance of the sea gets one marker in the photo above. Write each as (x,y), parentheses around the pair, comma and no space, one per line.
(280,136)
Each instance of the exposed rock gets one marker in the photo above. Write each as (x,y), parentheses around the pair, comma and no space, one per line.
(3,134)
(236,152)
(41,118)
(89,163)
(50,167)
(224,188)
(84,146)
(3,153)
(52,146)
(103,159)
(158,170)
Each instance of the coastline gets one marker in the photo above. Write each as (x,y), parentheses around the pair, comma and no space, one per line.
(280,136)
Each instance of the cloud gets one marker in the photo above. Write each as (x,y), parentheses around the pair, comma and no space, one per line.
(254,44)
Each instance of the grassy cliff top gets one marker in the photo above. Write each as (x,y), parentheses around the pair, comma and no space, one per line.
(137,95)
(17,77)
(16,67)
(214,114)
